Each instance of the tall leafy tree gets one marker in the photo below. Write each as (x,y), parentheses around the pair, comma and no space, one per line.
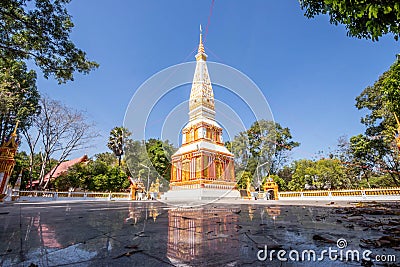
(320,174)
(19,97)
(106,157)
(154,154)
(353,153)
(389,84)
(366,19)
(264,142)
(159,153)
(95,175)
(117,140)
(40,30)
(377,148)
(243,176)
(135,154)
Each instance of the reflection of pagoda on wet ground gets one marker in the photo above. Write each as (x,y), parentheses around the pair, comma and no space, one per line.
(202,168)
(202,236)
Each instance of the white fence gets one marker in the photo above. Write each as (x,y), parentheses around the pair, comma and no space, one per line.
(392,193)
(52,195)
(379,194)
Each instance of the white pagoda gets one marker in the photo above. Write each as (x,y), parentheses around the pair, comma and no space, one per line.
(202,168)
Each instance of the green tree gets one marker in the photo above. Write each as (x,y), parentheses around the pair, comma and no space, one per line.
(19,97)
(159,153)
(353,154)
(376,148)
(72,178)
(96,175)
(149,159)
(135,154)
(377,181)
(330,174)
(113,180)
(106,157)
(241,178)
(264,142)
(117,140)
(284,144)
(363,18)
(389,84)
(23,162)
(40,30)
(21,165)
(285,174)
(363,154)
(321,174)
(302,174)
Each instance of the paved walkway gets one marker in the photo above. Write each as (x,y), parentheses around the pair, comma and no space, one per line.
(154,234)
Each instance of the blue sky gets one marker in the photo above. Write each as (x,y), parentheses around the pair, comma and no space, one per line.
(309,70)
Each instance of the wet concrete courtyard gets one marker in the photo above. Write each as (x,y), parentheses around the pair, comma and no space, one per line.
(155,234)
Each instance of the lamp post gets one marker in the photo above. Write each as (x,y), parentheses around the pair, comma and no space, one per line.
(258,175)
(148,176)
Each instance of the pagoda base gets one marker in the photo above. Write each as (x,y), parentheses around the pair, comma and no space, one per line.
(200,194)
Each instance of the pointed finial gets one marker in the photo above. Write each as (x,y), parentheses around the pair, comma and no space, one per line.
(200,51)
(201,36)
(397,119)
(398,124)
(15,129)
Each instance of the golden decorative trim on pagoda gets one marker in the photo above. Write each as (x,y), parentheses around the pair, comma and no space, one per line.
(193,153)
(202,139)
(202,181)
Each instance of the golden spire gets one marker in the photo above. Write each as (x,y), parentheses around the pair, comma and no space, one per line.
(200,51)
(201,103)
(397,119)
(15,129)
(12,141)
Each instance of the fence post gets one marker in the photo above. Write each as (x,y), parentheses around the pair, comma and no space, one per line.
(364,196)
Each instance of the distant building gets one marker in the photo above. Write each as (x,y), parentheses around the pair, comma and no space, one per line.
(61,169)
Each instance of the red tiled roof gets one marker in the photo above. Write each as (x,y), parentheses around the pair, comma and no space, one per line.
(62,168)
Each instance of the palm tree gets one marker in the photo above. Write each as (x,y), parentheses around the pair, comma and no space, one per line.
(116,141)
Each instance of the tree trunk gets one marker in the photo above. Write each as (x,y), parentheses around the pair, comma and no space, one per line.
(51,174)
(30,170)
(42,171)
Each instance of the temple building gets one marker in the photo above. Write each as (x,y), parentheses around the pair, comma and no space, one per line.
(202,168)
(59,170)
